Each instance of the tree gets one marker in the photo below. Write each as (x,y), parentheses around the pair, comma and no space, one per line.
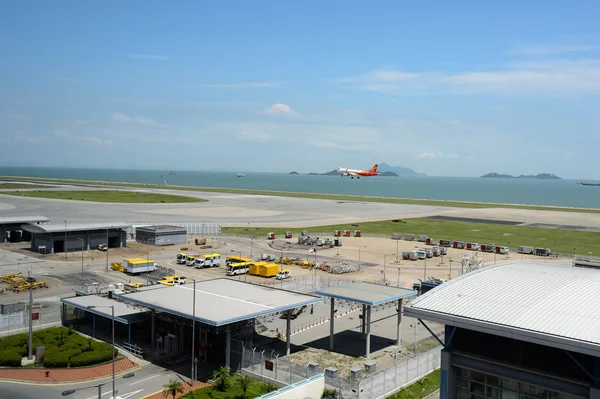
(266,388)
(173,388)
(222,375)
(329,393)
(244,383)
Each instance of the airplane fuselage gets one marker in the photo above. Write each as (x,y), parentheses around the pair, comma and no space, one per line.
(357,173)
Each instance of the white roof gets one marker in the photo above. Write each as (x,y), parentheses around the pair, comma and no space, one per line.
(123,313)
(219,302)
(74,226)
(366,293)
(552,305)
(22,219)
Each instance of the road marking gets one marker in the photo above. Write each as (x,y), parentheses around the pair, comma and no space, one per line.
(96,396)
(145,379)
(129,394)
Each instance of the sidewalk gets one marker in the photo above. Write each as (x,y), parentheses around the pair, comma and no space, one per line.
(186,389)
(66,375)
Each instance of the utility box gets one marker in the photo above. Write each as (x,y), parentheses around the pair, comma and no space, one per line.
(370,367)
(331,372)
(355,373)
(312,366)
(40,354)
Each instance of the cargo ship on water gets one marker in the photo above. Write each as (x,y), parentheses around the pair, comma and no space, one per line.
(590,184)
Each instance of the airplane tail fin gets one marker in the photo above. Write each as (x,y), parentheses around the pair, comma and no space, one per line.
(374,168)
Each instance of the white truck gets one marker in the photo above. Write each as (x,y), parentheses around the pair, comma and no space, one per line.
(139,265)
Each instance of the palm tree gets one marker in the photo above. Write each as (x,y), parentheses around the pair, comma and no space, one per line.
(173,388)
(244,382)
(222,376)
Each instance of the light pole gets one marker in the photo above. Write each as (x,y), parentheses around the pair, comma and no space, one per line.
(107,246)
(114,393)
(590,256)
(194,335)
(81,239)
(30,280)
(66,251)
(398,276)
(251,241)
(415,336)
(99,386)
(397,241)
(425,269)
(574,255)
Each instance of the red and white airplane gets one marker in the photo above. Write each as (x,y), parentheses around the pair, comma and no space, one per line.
(358,173)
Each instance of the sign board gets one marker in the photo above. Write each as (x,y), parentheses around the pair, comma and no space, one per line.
(269,365)
(35,316)
(12,320)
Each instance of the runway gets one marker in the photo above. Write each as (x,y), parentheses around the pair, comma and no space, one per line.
(239,210)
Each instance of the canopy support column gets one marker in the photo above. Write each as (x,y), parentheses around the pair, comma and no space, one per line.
(331,326)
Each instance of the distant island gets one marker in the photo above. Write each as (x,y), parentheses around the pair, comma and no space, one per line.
(293,173)
(540,176)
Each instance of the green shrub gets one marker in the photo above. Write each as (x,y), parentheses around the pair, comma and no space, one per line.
(14,341)
(10,358)
(90,358)
(57,358)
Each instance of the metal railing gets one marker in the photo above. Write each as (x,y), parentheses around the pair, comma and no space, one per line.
(18,322)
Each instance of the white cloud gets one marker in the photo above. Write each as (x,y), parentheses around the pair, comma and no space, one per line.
(18,117)
(248,85)
(281,109)
(551,49)
(149,56)
(430,155)
(535,76)
(61,132)
(255,136)
(142,120)
(22,137)
(97,141)
(452,122)
(436,155)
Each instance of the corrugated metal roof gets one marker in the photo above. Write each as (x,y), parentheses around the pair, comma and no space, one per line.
(60,227)
(23,219)
(123,313)
(555,305)
(221,301)
(367,293)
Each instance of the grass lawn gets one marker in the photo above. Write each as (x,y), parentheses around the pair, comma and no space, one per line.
(108,196)
(256,389)
(64,348)
(20,185)
(421,388)
(559,241)
(336,197)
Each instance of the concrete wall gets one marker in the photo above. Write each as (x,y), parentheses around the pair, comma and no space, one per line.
(161,239)
(309,388)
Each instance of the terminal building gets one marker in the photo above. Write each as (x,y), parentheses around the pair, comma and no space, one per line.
(519,330)
(65,237)
(11,230)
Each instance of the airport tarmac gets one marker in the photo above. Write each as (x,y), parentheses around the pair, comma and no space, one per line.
(268,211)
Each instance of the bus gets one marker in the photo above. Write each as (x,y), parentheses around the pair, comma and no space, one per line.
(191,260)
(181,258)
(208,260)
(237,268)
(236,259)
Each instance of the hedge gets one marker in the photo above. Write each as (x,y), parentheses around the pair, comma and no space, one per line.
(90,358)
(10,358)
(55,358)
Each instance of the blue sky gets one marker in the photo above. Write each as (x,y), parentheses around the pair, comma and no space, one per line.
(456,88)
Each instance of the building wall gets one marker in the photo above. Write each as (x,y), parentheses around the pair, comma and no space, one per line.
(474,363)
(54,241)
(160,239)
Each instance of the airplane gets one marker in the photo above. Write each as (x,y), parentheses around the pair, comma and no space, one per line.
(358,173)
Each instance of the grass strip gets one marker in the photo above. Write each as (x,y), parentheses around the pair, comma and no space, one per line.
(559,241)
(115,196)
(336,197)
(420,389)
(20,185)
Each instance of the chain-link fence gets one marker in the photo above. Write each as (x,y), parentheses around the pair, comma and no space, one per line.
(309,283)
(44,316)
(270,368)
(390,380)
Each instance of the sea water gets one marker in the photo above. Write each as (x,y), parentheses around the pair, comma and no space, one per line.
(510,191)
